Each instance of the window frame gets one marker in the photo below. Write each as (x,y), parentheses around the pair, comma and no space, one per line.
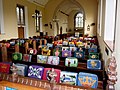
(80,23)
(23,8)
(108,32)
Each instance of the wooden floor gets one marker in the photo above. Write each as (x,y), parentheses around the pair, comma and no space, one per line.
(3,84)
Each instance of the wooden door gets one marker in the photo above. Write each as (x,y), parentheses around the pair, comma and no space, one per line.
(20,32)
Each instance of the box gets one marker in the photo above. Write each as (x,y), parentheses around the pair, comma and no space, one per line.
(17,56)
(54,60)
(27,57)
(68,78)
(79,54)
(4,67)
(71,62)
(50,74)
(93,64)
(35,71)
(93,55)
(87,80)
(66,53)
(42,59)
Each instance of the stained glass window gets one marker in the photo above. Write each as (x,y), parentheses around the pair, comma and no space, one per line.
(79,20)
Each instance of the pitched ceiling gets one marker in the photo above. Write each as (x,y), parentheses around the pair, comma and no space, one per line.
(67,6)
(39,2)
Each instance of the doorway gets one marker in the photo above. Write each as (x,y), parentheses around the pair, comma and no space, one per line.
(20,32)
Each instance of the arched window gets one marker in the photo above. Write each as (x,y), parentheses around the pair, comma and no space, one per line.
(20,14)
(79,20)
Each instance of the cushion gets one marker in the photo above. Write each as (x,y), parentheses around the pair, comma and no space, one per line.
(68,78)
(4,67)
(66,53)
(49,75)
(41,59)
(93,64)
(54,60)
(35,71)
(71,62)
(17,56)
(79,54)
(93,55)
(22,69)
(27,57)
(87,80)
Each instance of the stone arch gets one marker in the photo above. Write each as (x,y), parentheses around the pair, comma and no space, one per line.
(64,2)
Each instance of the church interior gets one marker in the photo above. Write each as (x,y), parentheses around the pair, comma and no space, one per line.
(59,44)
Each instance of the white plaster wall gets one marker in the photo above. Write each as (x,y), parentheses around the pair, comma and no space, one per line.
(1,18)
(117,45)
